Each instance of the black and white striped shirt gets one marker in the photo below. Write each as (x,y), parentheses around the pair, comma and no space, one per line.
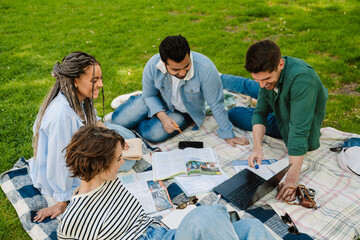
(108,212)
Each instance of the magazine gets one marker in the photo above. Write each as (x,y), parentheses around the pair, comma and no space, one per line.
(152,195)
(188,161)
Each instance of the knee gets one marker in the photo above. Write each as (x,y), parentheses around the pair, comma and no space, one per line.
(204,213)
(241,117)
(124,132)
(130,113)
(248,225)
(236,113)
(154,135)
(119,118)
(232,112)
(196,224)
(179,119)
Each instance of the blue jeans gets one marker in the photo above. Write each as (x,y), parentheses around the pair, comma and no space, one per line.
(124,132)
(241,117)
(133,114)
(210,222)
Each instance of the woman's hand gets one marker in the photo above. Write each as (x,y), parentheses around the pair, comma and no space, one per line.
(51,212)
(126,146)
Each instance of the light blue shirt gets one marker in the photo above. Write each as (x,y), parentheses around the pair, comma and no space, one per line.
(204,85)
(49,172)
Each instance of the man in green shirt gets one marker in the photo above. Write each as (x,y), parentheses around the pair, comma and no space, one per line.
(292,91)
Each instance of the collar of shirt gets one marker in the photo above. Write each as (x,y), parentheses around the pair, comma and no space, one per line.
(281,78)
(190,74)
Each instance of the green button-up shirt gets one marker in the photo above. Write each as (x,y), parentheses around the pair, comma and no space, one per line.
(298,101)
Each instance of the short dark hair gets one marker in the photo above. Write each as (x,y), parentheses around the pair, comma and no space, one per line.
(262,56)
(175,48)
(91,151)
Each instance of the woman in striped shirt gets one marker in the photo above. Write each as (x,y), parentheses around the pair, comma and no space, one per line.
(101,208)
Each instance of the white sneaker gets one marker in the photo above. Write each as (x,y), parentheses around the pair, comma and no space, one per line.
(122,98)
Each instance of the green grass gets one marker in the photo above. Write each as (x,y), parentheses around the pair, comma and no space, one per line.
(123,35)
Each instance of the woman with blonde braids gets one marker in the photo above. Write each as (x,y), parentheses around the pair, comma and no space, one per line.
(68,106)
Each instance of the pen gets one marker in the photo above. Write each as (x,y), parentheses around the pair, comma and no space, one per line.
(177,126)
(256,165)
(217,199)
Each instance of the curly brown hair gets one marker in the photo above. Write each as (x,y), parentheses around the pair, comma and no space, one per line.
(91,151)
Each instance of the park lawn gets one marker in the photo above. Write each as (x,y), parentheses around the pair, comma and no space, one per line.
(123,35)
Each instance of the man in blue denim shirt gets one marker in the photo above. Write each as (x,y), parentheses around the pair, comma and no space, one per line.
(176,83)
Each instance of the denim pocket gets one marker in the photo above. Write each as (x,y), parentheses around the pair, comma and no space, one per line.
(192,88)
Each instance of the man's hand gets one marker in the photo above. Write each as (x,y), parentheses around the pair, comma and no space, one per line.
(287,189)
(51,212)
(168,123)
(235,140)
(257,155)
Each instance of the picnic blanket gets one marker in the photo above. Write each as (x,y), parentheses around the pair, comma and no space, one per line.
(338,192)
(27,200)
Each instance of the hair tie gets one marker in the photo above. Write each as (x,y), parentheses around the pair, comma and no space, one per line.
(55,71)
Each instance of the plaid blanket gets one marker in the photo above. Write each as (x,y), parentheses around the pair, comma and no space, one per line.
(337,191)
(27,200)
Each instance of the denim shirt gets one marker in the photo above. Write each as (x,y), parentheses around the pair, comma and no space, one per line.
(48,171)
(204,85)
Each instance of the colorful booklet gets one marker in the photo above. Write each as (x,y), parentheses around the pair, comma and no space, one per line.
(152,195)
(188,161)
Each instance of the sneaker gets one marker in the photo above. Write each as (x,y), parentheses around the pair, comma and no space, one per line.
(107,117)
(122,98)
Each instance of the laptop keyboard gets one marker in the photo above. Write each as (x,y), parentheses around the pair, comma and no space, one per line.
(242,195)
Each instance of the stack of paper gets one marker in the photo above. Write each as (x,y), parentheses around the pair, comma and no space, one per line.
(282,163)
(263,170)
(193,185)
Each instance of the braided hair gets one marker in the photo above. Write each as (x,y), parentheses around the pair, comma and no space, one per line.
(71,67)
